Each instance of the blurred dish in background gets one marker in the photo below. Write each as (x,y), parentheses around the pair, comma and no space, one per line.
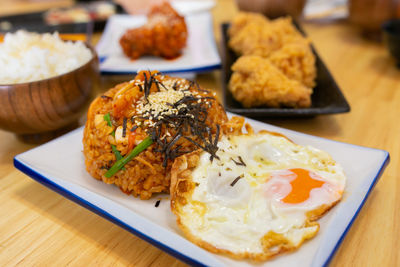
(369,15)
(273,8)
(79,18)
(391,38)
(325,10)
(200,53)
(308,9)
(80,13)
(135,7)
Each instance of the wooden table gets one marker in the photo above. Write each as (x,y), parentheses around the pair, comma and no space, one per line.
(39,227)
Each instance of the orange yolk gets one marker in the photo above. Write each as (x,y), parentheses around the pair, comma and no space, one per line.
(301,186)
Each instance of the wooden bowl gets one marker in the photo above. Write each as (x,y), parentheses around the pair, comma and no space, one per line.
(45,106)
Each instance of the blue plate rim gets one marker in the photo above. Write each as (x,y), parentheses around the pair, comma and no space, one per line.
(371,187)
(101,212)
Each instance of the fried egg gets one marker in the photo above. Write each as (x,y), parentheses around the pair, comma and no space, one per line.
(258,198)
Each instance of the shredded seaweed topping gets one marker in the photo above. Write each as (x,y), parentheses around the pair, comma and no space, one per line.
(240,162)
(236,180)
(188,119)
(148,82)
(158,83)
(175,86)
(146,89)
(124,127)
(134,128)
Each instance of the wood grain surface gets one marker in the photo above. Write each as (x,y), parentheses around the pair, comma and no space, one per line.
(41,228)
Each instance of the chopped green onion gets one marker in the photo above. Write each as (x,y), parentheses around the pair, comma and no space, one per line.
(107,118)
(134,152)
(117,154)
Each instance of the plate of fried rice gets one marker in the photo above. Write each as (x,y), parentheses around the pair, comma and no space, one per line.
(131,148)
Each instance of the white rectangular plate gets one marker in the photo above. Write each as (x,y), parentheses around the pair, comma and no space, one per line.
(65,173)
(200,53)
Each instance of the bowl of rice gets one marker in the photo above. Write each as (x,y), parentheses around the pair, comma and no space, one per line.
(46,83)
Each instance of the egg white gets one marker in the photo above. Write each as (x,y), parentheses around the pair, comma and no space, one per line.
(236,218)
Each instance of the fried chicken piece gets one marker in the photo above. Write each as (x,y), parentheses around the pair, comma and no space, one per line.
(250,35)
(243,19)
(278,40)
(296,61)
(257,82)
(254,39)
(287,32)
(164,35)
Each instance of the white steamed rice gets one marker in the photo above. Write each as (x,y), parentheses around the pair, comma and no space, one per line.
(26,57)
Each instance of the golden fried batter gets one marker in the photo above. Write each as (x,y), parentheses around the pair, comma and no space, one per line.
(279,49)
(296,61)
(254,36)
(243,19)
(257,82)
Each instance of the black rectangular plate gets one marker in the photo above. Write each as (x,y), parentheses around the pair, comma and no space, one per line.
(326,98)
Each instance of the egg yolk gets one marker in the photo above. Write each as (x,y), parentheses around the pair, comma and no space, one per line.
(301,186)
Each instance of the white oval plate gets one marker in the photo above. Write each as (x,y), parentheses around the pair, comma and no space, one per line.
(199,55)
(66,174)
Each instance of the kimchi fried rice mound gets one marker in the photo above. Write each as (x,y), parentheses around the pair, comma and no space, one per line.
(178,115)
